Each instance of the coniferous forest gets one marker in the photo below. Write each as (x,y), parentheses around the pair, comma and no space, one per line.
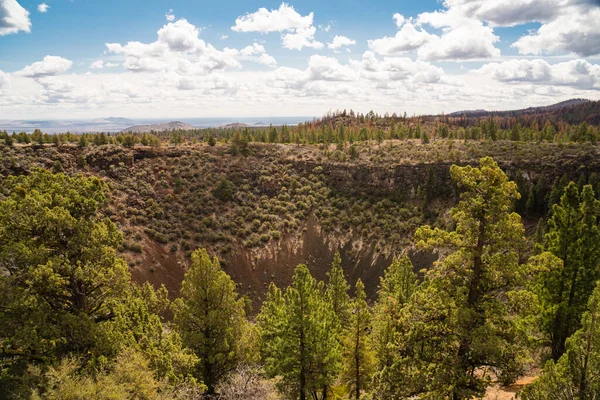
(456,257)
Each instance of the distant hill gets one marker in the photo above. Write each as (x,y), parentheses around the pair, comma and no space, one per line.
(166,126)
(574,111)
(530,110)
(235,125)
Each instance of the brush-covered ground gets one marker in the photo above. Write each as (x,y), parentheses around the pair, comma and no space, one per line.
(285,204)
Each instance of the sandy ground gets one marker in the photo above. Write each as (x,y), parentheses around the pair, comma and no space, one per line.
(508,393)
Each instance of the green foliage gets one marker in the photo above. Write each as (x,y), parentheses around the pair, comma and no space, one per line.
(575,374)
(209,316)
(337,291)
(471,285)
(565,287)
(59,269)
(303,348)
(358,357)
(224,190)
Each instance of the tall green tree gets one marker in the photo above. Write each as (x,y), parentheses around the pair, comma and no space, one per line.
(575,375)
(395,289)
(478,272)
(358,356)
(209,316)
(564,290)
(303,347)
(337,290)
(59,272)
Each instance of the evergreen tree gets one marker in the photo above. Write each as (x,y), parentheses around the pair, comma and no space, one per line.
(471,284)
(209,315)
(358,356)
(304,349)
(337,290)
(60,277)
(395,289)
(575,374)
(564,290)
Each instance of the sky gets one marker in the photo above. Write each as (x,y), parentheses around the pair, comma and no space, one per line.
(69,59)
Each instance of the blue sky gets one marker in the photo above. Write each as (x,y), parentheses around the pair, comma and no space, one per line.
(189,58)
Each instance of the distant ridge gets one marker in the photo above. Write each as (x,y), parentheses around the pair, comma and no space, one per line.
(530,110)
(166,126)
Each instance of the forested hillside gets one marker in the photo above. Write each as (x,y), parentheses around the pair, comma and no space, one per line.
(427,261)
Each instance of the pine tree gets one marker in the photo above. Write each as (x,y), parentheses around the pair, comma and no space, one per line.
(472,281)
(304,349)
(395,289)
(575,374)
(337,290)
(564,291)
(209,315)
(358,356)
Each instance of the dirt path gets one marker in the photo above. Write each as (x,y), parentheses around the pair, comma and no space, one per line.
(508,393)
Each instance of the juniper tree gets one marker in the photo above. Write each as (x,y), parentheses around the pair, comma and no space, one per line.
(469,286)
(209,315)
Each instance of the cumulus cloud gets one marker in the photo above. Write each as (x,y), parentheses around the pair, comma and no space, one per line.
(469,39)
(340,41)
(398,69)
(98,64)
(462,38)
(578,73)
(49,66)
(43,7)
(13,18)
(575,30)
(178,47)
(4,80)
(267,60)
(297,30)
(567,26)
(406,39)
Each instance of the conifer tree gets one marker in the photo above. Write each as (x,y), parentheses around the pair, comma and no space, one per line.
(564,291)
(337,290)
(575,374)
(304,349)
(209,315)
(358,356)
(395,288)
(470,286)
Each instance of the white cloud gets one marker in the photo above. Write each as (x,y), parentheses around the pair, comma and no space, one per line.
(578,74)
(49,66)
(4,80)
(398,69)
(13,18)
(301,38)
(178,48)
(43,7)
(98,64)
(170,16)
(407,38)
(286,18)
(575,30)
(297,30)
(267,60)
(252,50)
(462,38)
(223,37)
(567,26)
(340,41)
(470,39)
